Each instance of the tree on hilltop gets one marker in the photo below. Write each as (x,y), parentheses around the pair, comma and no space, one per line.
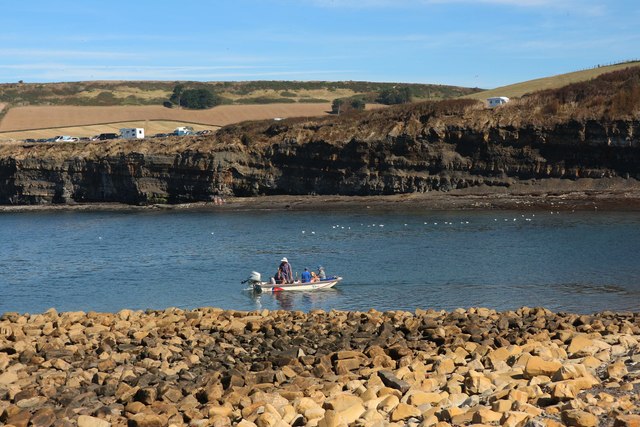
(336,105)
(342,105)
(395,95)
(197,99)
(177,92)
(358,104)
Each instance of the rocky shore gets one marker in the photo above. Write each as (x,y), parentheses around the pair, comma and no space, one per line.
(551,194)
(210,367)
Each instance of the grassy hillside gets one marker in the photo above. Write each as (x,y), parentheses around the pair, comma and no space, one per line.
(123,93)
(553,82)
(605,100)
(45,107)
(611,96)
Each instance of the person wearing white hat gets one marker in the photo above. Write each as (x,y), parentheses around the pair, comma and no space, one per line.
(321,274)
(285,273)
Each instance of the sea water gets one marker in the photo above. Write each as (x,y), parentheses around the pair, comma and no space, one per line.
(395,260)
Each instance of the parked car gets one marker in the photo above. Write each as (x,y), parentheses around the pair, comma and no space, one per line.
(105,136)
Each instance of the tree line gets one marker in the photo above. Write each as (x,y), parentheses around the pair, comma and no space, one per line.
(201,98)
(391,96)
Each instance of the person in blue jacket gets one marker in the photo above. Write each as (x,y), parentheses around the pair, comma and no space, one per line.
(306,276)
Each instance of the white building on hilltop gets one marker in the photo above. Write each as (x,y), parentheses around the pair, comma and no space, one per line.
(132,133)
(496,101)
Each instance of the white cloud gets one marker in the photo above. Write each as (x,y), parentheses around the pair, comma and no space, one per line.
(70,72)
(47,53)
(585,6)
(13,58)
(519,3)
(576,43)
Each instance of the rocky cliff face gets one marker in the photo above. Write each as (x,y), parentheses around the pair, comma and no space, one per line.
(400,150)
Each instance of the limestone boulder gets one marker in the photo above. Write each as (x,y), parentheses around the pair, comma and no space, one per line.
(536,366)
(627,421)
(88,421)
(578,418)
(404,411)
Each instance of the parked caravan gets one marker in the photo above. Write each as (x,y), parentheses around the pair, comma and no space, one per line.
(496,101)
(132,133)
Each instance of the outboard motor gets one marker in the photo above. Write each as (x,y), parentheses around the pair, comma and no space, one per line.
(255,277)
(255,281)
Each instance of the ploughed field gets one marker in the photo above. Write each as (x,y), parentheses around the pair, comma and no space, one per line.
(213,367)
(49,117)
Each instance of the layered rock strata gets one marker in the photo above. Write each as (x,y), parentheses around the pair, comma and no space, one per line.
(209,367)
(400,150)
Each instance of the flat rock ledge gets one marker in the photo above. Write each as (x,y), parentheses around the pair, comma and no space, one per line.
(212,367)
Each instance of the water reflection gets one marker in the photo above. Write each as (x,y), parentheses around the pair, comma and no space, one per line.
(295,300)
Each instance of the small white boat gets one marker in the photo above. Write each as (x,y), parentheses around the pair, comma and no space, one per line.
(259,286)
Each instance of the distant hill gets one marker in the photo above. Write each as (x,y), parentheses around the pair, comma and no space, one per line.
(127,93)
(553,82)
(34,110)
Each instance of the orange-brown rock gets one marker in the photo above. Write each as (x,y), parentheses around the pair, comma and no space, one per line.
(219,378)
(537,366)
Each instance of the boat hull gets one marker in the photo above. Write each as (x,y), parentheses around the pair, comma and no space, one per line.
(296,287)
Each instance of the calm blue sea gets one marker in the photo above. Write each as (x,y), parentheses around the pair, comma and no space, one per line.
(106,261)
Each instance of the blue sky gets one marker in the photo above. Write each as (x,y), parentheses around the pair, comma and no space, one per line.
(484,43)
